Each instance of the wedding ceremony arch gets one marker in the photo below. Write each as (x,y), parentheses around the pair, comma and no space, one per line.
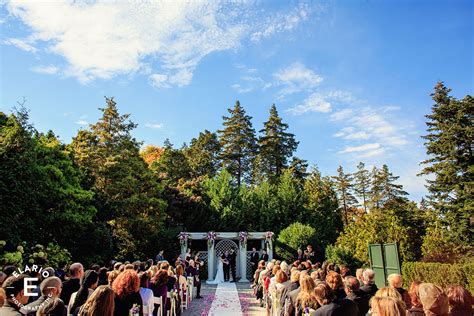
(221,241)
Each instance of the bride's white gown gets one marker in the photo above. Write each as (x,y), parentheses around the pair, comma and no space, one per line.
(220,273)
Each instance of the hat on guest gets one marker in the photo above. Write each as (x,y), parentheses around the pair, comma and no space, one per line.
(433,299)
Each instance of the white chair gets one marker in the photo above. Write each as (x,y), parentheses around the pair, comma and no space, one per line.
(183,295)
(172,311)
(158,301)
(148,310)
(190,288)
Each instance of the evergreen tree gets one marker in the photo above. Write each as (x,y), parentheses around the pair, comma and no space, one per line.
(239,145)
(344,189)
(322,209)
(390,190)
(128,197)
(449,146)
(276,145)
(362,184)
(203,154)
(173,166)
(376,189)
(299,167)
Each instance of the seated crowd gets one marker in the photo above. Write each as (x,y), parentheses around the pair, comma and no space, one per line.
(304,288)
(122,289)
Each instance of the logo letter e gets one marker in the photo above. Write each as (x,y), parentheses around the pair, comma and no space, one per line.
(27,286)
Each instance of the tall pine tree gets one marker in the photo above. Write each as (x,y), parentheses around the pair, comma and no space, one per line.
(239,144)
(203,153)
(344,189)
(362,184)
(449,146)
(276,145)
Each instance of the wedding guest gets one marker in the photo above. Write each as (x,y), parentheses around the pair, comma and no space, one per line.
(309,254)
(300,255)
(369,286)
(334,280)
(111,276)
(291,305)
(103,280)
(14,290)
(306,297)
(127,293)
(146,293)
(264,256)
(416,308)
(359,276)
(460,301)
(254,259)
(73,283)
(327,301)
(50,288)
(193,272)
(395,281)
(60,271)
(387,306)
(88,284)
(344,271)
(160,256)
(52,307)
(100,303)
(159,285)
(3,296)
(353,293)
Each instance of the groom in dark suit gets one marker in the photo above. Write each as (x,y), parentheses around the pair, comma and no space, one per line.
(232,261)
(226,262)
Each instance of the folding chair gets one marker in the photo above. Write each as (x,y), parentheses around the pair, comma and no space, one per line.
(158,301)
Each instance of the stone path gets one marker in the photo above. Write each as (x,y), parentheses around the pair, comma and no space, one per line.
(242,296)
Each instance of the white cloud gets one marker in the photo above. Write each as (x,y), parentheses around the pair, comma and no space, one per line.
(360,148)
(21,44)
(314,103)
(102,39)
(249,83)
(50,70)
(281,22)
(296,78)
(341,115)
(154,125)
(357,135)
(82,122)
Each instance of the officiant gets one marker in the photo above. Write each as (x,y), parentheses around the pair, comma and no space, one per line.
(232,263)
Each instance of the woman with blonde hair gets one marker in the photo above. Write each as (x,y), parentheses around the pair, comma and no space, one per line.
(387,306)
(306,297)
(100,303)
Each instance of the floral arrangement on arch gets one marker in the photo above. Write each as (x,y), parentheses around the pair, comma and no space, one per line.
(211,238)
(243,236)
(269,236)
(183,237)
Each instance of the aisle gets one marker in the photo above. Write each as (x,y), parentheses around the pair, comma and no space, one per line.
(226,301)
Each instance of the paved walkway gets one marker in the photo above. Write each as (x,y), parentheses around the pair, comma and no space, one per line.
(223,299)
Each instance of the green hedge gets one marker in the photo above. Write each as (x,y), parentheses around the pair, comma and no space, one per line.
(442,274)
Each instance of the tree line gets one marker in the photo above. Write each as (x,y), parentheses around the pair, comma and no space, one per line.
(102,195)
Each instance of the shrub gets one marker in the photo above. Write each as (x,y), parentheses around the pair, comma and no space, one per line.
(340,255)
(441,274)
(293,237)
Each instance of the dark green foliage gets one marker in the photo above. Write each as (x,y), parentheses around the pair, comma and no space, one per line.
(128,196)
(172,166)
(239,144)
(440,273)
(202,154)
(276,146)
(449,146)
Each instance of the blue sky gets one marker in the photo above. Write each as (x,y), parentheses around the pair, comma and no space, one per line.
(352,78)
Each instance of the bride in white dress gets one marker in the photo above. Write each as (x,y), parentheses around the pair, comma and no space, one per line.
(220,271)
